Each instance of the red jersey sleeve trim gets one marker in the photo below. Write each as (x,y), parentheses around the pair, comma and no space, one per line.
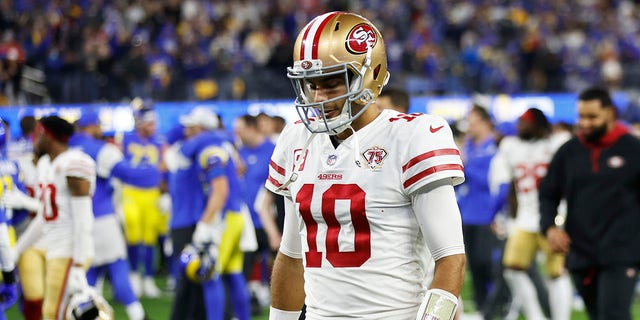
(443,167)
(276,167)
(430,154)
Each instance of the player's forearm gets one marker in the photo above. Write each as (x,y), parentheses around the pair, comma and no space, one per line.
(217,199)
(264,205)
(82,210)
(449,273)
(287,283)
(30,236)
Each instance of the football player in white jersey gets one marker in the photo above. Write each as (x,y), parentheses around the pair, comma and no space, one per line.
(523,161)
(367,190)
(66,180)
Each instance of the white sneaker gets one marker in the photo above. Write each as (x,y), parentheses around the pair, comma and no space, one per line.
(136,283)
(150,288)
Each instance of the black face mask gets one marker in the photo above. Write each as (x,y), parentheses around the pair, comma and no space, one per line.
(596,134)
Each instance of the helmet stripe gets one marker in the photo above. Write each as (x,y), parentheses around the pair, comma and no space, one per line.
(309,46)
(304,38)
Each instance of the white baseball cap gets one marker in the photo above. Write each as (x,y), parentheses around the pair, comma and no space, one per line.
(200,116)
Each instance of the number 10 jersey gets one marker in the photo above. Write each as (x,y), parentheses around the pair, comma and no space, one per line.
(360,242)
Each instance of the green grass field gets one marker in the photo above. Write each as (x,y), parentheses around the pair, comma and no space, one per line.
(160,309)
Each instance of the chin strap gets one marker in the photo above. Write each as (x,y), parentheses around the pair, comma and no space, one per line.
(356,148)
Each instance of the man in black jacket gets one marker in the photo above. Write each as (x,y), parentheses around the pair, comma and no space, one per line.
(598,172)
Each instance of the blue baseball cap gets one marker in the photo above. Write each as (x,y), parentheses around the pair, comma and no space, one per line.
(88,118)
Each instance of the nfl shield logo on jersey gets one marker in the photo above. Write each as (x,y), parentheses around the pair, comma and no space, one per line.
(374,157)
(331,160)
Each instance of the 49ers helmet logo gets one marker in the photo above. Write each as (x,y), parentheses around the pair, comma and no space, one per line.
(306,64)
(360,38)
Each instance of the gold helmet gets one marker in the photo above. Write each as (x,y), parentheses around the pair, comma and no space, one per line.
(338,44)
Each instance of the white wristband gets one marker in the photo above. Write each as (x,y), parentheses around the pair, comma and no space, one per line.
(438,304)
(277,314)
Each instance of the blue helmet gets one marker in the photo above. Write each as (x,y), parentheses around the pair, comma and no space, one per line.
(198,265)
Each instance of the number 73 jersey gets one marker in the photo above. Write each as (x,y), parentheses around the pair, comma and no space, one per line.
(360,241)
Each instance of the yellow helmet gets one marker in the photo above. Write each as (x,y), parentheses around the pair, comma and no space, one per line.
(334,44)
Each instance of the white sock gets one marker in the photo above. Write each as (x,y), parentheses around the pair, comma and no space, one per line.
(135,311)
(514,308)
(99,285)
(560,297)
(523,289)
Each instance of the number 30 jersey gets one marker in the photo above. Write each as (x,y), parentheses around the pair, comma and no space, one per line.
(53,192)
(361,244)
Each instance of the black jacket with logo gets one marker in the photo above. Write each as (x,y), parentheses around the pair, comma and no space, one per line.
(601,183)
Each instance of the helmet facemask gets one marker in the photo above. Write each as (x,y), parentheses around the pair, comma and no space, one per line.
(312,113)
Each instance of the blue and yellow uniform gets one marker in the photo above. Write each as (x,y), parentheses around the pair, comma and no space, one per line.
(8,289)
(257,160)
(143,219)
(30,265)
(10,178)
(212,154)
(206,157)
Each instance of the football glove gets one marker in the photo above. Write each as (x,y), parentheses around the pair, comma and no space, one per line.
(77,280)
(164,203)
(16,199)
(207,233)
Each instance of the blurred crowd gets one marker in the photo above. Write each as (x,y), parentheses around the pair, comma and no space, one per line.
(107,50)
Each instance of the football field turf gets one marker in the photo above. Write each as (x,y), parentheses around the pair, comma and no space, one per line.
(160,308)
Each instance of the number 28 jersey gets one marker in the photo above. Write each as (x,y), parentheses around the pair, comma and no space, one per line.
(53,192)
(360,242)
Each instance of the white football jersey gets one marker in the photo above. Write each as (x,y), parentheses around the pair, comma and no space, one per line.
(53,192)
(362,247)
(29,176)
(524,163)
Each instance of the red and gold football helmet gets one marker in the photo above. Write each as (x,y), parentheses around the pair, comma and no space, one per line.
(338,44)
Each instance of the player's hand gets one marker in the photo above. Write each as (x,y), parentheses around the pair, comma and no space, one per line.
(558,240)
(164,203)
(16,199)
(77,280)
(203,235)
(8,295)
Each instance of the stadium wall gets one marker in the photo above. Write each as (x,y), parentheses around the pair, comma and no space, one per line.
(117,117)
